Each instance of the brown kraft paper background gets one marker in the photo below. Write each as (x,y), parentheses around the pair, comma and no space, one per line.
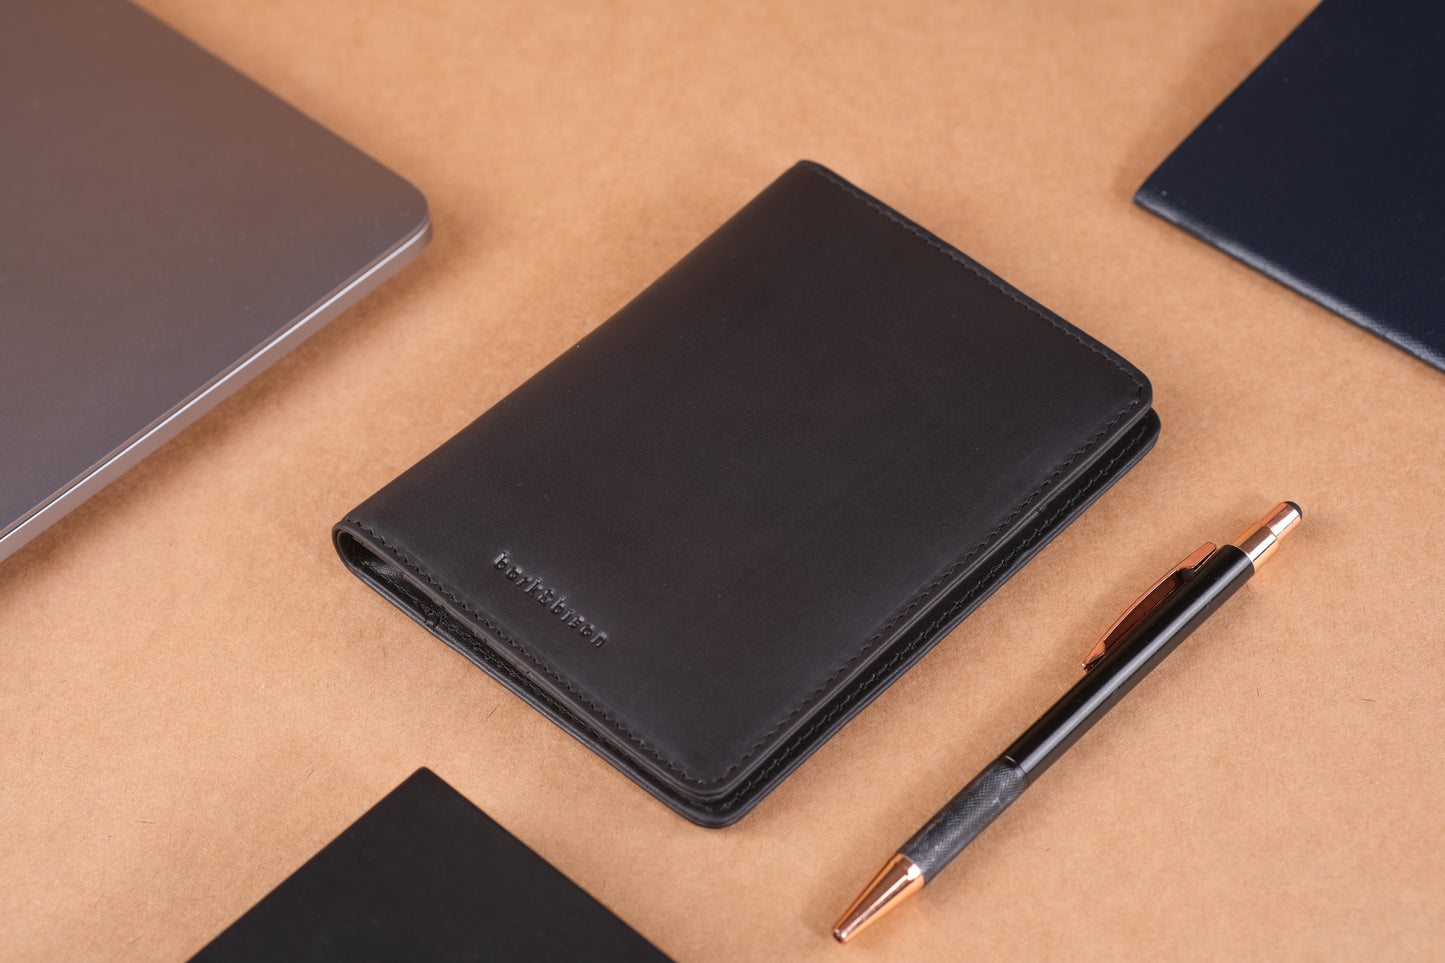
(195,696)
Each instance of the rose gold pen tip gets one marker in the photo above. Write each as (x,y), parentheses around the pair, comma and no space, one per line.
(899,879)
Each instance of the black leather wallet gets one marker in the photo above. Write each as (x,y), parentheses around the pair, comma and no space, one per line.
(712,531)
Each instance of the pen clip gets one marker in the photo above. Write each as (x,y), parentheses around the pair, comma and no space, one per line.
(1147,603)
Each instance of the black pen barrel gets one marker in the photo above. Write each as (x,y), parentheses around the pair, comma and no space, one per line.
(1166,615)
(1001,782)
(1219,577)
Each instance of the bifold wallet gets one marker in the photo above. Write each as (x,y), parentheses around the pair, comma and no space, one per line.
(717,527)
(425,875)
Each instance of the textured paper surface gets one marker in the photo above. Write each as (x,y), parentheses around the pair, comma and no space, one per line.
(195,696)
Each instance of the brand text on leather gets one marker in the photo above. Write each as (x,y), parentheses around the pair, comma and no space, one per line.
(533,587)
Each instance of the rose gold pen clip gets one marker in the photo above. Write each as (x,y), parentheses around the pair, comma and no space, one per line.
(1257,541)
(1147,603)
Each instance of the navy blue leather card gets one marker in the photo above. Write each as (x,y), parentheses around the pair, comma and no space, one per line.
(1324,169)
(425,875)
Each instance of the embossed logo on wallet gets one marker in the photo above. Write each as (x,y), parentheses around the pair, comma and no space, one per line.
(534,588)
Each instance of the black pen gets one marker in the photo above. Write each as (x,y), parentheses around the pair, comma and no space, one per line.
(1152,627)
